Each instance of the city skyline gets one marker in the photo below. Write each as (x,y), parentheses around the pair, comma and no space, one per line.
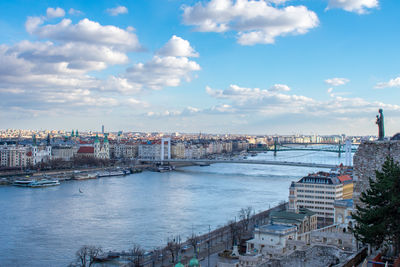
(220,66)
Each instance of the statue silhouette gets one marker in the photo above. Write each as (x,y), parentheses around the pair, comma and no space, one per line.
(381,127)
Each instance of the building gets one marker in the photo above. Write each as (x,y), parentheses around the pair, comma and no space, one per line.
(41,154)
(348,185)
(343,211)
(152,150)
(316,192)
(101,151)
(178,150)
(305,220)
(12,156)
(85,151)
(270,240)
(63,152)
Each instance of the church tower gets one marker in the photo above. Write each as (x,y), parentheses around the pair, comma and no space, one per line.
(106,147)
(96,146)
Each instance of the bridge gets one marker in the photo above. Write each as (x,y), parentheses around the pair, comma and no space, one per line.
(205,162)
(326,147)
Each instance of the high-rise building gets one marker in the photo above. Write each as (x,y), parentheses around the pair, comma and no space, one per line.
(102,129)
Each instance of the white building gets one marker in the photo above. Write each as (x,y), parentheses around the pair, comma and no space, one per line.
(101,151)
(271,239)
(153,150)
(41,154)
(316,192)
(15,156)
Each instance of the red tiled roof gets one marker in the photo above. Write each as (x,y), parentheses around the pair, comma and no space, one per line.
(84,142)
(344,178)
(85,150)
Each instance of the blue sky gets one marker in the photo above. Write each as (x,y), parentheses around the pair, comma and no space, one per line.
(220,66)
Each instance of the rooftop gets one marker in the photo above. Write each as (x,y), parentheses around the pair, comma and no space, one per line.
(277,227)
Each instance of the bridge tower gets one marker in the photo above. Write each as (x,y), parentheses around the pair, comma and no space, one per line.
(348,161)
(163,140)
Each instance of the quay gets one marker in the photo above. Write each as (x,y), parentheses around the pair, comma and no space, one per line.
(209,243)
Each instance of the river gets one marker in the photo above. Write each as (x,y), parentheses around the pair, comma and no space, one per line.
(45,226)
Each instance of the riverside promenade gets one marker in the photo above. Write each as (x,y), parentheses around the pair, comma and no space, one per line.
(208,244)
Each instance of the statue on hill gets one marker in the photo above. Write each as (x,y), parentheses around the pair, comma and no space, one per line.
(379,121)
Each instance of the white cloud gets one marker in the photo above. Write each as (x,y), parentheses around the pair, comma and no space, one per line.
(266,103)
(337,81)
(55,12)
(117,10)
(161,72)
(279,88)
(85,31)
(391,83)
(357,6)
(256,22)
(75,12)
(177,47)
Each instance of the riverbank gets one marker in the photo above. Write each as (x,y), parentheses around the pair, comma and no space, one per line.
(213,242)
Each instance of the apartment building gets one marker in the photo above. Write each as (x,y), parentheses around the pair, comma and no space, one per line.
(316,192)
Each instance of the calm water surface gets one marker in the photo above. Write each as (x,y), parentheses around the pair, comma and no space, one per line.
(45,226)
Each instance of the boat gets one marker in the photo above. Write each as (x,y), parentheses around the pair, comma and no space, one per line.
(22,183)
(43,183)
(165,168)
(110,173)
(85,176)
(36,183)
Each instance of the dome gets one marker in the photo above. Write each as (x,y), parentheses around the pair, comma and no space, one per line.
(396,137)
(194,262)
(179,264)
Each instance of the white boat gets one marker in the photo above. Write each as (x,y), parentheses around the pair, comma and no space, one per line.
(85,176)
(110,173)
(44,183)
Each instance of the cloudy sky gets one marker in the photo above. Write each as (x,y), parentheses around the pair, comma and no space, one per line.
(218,66)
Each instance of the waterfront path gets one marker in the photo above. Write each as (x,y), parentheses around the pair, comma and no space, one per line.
(210,244)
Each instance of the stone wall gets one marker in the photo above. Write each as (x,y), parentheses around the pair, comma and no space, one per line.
(369,157)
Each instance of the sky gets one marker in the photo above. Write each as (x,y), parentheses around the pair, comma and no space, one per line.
(212,66)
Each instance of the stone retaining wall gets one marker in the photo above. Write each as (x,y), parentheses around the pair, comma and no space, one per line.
(369,157)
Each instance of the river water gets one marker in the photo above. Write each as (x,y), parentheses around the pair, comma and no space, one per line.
(45,226)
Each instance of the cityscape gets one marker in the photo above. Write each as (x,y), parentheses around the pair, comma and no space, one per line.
(200,133)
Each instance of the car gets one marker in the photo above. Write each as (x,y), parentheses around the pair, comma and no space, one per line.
(186,247)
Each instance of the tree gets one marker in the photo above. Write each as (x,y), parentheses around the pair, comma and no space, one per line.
(378,219)
(136,254)
(86,255)
(173,246)
(193,239)
(155,255)
(245,215)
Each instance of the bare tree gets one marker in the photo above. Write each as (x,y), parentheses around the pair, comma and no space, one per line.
(193,239)
(86,255)
(245,215)
(173,246)
(136,255)
(234,232)
(155,255)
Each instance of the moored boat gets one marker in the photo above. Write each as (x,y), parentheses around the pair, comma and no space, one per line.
(85,176)
(36,183)
(22,183)
(43,183)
